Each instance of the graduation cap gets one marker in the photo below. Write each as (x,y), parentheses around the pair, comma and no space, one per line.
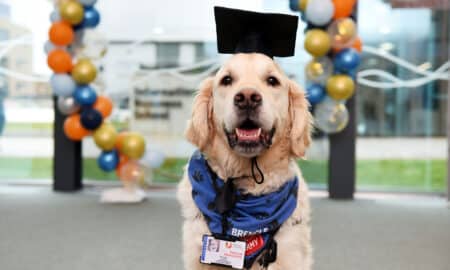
(240,31)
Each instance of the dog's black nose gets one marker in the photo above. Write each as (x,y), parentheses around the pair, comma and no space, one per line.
(247,99)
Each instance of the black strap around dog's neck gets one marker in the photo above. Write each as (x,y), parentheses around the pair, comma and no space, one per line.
(255,164)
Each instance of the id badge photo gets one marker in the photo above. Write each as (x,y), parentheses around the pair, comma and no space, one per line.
(223,252)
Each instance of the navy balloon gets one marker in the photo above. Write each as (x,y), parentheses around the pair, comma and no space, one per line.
(85,95)
(91,17)
(315,93)
(108,160)
(90,118)
(346,60)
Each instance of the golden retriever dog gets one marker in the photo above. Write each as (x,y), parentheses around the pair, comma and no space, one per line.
(278,110)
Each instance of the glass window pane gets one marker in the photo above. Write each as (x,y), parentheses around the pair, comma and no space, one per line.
(402,129)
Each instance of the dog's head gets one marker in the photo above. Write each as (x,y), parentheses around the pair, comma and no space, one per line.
(253,106)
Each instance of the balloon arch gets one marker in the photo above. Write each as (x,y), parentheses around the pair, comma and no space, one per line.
(86,111)
(330,37)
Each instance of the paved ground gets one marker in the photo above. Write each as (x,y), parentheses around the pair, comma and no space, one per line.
(40,229)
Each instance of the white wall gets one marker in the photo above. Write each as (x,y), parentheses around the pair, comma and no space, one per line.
(168,19)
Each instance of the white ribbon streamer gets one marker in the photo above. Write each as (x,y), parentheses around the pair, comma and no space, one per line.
(442,73)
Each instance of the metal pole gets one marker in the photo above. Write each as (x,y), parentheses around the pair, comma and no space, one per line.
(445,44)
(67,162)
(342,162)
(448,135)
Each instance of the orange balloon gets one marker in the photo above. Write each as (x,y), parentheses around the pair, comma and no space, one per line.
(61,33)
(343,8)
(73,128)
(131,171)
(59,61)
(122,160)
(357,45)
(120,139)
(104,105)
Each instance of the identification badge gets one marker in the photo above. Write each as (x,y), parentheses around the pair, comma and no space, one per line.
(223,252)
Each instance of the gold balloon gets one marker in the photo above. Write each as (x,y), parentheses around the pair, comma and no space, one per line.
(317,42)
(84,71)
(133,145)
(105,137)
(343,33)
(302,4)
(340,87)
(72,12)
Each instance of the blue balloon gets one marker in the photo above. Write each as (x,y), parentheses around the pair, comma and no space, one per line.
(293,5)
(85,95)
(62,84)
(315,93)
(91,17)
(90,118)
(346,60)
(108,160)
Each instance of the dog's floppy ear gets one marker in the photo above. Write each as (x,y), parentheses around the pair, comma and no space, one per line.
(199,127)
(301,120)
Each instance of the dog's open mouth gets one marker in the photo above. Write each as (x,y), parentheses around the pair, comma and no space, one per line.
(249,134)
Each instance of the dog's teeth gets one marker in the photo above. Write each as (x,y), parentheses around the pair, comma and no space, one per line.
(248,134)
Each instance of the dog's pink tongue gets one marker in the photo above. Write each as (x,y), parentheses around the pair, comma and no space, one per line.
(248,134)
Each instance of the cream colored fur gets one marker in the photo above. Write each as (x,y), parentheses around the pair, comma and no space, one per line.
(286,108)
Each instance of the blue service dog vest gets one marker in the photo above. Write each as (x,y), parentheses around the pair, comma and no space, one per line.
(252,218)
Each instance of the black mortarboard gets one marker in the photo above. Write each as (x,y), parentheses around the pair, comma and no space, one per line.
(240,31)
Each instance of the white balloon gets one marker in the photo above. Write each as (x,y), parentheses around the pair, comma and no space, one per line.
(62,84)
(319,12)
(153,157)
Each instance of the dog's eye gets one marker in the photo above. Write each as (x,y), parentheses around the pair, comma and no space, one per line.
(227,80)
(272,81)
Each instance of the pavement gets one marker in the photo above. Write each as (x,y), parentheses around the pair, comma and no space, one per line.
(41,229)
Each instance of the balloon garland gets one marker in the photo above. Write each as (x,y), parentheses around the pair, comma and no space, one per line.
(85,109)
(331,39)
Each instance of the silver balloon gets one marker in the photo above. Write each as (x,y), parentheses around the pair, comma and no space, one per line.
(91,44)
(54,16)
(67,105)
(319,69)
(331,116)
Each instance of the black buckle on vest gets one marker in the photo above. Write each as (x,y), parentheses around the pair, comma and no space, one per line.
(270,255)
